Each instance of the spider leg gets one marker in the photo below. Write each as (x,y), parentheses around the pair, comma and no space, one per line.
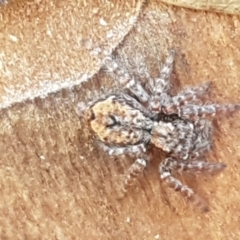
(165,170)
(194,112)
(203,139)
(136,168)
(187,96)
(163,82)
(128,82)
(138,91)
(131,149)
(134,171)
(162,85)
(201,166)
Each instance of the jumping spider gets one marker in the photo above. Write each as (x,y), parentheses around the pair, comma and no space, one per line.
(126,122)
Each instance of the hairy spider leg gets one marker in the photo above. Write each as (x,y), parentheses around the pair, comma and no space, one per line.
(133,172)
(138,91)
(130,149)
(136,169)
(162,84)
(199,166)
(194,112)
(128,82)
(191,95)
(165,170)
(203,139)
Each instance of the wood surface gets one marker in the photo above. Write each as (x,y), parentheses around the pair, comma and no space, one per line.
(221,6)
(55,182)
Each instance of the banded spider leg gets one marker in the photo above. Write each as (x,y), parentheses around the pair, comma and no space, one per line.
(136,169)
(169,165)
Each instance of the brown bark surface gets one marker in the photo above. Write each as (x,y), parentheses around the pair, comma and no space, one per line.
(222,6)
(55,183)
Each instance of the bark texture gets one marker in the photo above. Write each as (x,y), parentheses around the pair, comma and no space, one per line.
(55,183)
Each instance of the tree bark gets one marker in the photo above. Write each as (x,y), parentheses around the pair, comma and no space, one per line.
(55,181)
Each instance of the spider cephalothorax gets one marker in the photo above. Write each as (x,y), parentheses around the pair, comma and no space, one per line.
(127,122)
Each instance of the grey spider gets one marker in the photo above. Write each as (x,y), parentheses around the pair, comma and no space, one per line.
(126,122)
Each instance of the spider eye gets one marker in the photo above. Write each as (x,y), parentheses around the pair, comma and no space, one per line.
(112,121)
